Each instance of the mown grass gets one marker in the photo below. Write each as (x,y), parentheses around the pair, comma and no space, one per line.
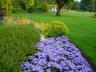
(82,29)
(16,44)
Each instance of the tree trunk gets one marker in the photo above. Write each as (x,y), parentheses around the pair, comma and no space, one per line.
(58,11)
(59,6)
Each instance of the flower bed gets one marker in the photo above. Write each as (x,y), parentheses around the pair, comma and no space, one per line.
(56,55)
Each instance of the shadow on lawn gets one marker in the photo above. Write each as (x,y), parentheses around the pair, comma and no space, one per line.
(93,66)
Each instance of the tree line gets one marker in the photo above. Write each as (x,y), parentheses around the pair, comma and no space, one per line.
(9,6)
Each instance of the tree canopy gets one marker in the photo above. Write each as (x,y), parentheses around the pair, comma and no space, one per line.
(8,6)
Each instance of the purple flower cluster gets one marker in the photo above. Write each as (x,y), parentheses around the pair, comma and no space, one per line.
(57,53)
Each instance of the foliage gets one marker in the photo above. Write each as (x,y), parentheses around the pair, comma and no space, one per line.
(68,5)
(94,15)
(18,6)
(76,5)
(88,5)
(35,10)
(30,5)
(44,7)
(16,43)
(22,5)
(6,6)
(41,4)
(1,23)
(39,26)
(11,20)
(54,29)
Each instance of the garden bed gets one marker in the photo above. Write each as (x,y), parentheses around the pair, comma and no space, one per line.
(56,55)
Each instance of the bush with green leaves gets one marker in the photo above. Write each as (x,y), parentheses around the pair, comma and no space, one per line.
(16,43)
(94,15)
(55,29)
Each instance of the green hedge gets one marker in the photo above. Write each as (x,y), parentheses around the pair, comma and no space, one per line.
(16,43)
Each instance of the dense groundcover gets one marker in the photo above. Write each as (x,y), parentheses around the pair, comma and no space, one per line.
(56,55)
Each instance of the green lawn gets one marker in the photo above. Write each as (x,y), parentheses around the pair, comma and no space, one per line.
(82,29)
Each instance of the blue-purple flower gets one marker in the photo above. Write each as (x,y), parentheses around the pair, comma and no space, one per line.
(57,53)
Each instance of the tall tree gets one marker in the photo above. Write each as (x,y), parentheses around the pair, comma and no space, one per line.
(60,4)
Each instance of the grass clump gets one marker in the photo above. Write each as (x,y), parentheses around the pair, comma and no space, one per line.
(16,43)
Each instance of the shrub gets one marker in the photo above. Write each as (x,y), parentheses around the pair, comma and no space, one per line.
(16,43)
(54,29)
(94,15)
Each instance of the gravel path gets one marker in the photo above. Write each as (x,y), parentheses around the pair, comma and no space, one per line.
(56,53)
